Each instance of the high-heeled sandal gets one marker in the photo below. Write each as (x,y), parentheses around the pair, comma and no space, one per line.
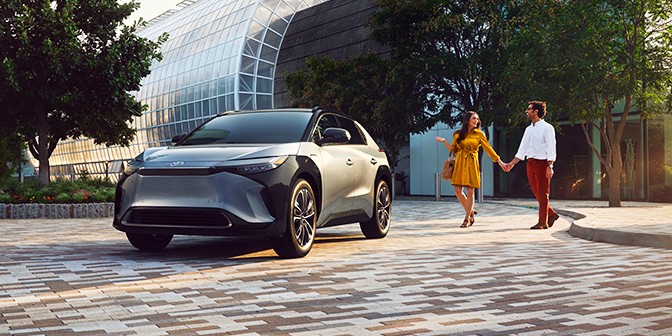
(471,217)
(466,223)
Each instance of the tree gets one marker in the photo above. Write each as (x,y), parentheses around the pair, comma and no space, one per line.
(11,149)
(453,47)
(68,67)
(367,88)
(596,61)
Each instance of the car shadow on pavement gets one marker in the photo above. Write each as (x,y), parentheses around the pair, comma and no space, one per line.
(226,248)
(330,238)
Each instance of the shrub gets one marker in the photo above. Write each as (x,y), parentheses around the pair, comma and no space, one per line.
(58,191)
(63,198)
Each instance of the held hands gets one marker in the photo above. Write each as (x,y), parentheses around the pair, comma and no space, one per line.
(505,166)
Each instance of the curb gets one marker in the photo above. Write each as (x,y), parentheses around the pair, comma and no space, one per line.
(620,237)
(56,211)
(580,227)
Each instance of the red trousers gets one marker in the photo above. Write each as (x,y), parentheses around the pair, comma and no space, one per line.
(541,186)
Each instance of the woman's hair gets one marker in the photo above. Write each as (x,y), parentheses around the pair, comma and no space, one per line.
(462,133)
(540,106)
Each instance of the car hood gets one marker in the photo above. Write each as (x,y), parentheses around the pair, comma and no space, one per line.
(207,156)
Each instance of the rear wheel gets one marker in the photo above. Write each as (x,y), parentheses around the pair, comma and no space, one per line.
(297,241)
(149,242)
(379,224)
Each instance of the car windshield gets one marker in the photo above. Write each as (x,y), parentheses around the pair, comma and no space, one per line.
(255,127)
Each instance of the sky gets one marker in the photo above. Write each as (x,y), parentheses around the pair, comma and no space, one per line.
(150,9)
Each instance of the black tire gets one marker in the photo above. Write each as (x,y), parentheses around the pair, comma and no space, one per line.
(379,224)
(297,241)
(149,242)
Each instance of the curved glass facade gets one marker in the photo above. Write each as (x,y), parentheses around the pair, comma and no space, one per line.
(221,55)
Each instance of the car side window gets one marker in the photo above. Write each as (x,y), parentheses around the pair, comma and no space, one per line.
(356,137)
(326,121)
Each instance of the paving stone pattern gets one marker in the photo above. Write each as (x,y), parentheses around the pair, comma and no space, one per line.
(428,277)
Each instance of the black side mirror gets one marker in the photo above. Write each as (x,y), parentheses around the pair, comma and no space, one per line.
(334,135)
(177,138)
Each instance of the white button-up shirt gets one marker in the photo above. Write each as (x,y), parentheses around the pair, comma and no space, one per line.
(538,142)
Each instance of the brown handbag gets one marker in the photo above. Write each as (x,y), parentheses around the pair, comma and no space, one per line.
(447,172)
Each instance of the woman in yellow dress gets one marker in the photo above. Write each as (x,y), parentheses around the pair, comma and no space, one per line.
(466,173)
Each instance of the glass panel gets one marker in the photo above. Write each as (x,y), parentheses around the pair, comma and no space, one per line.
(284,11)
(222,86)
(272,38)
(270,3)
(222,104)
(256,30)
(246,83)
(230,102)
(190,111)
(206,107)
(213,88)
(213,106)
(264,101)
(294,3)
(248,65)
(264,85)
(246,101)
(278,24)
(269,54)
(252,47)
(263,15)
(265,69)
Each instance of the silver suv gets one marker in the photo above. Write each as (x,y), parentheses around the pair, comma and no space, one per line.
(279,173)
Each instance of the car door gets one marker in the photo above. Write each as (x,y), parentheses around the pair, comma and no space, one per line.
(363,168)
(336,167)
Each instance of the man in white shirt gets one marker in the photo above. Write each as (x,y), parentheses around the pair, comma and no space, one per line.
(538,147)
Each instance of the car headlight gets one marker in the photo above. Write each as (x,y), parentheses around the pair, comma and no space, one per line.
(134,165)
(260,165)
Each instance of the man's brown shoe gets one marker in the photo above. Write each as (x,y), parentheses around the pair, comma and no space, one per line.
(552,218)
(539,226)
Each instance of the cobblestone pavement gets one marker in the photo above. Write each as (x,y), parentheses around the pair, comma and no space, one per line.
(428,277)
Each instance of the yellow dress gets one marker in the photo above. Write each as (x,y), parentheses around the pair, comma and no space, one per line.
(467,171)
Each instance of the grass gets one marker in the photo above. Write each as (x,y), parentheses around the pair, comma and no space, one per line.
(87,190)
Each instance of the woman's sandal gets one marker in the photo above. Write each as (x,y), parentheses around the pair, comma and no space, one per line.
(471,217)
(466,223)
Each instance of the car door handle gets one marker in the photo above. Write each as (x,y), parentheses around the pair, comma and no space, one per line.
(349,162)
(373,161)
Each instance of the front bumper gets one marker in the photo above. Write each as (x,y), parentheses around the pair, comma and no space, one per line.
(217,204)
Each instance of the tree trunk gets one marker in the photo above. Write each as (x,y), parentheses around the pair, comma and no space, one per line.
(43,143)
(615,176)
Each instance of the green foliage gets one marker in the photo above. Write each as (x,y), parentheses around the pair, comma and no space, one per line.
(84,174)
(59,191)
(67,70)
(592,60)
(367,88)
(10,145)
(454,49)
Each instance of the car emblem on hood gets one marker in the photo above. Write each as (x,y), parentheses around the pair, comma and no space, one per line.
(177,163)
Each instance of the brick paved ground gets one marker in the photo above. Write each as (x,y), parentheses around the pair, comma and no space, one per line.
(428,277)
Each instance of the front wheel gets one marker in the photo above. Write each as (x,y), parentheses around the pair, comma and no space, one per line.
(379,224)
(297,241)
(149,242)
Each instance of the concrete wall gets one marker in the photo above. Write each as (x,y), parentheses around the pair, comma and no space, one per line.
(335,28)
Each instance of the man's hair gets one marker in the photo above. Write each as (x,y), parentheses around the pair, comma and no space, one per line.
(540,106)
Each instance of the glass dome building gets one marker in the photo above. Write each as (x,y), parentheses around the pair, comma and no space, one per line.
(221,55)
